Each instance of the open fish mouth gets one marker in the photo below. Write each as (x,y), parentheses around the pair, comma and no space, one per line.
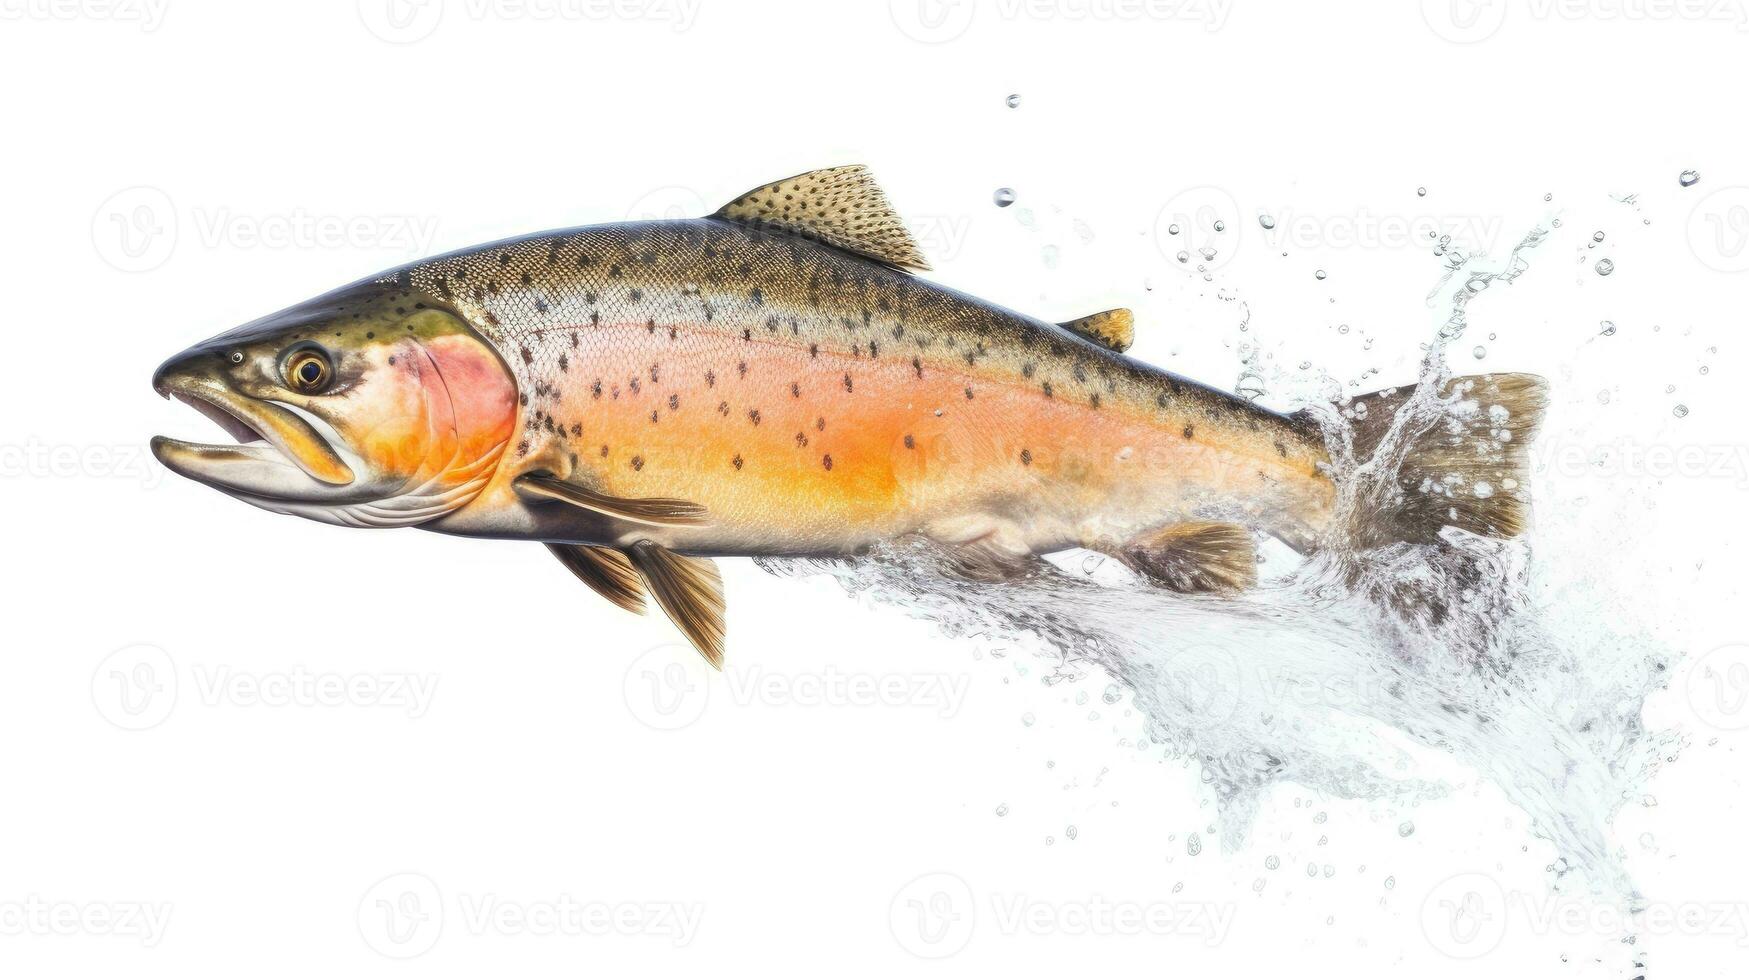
(279,454)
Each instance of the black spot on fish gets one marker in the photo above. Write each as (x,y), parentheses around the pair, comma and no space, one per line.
(917,365)
(595,389)
(1281,449)
(741,368)
(813,350)
(753,415)
(637,462)
(1026,457)
(1094,401)
(1026,369)
(968,393)
(1190,432)
(723,408)
(604,450)
(910,443)
(637,295)
(540,306)
(653,416)
(673,403)
(801,439)
(655,374)
(634,385)
(710,379)
(820,424)
(527,280)
(564,364)
(576,428)
(757,296)
(522,448)
(848,384)
(1046,388)
(795,390)
(827,461)
(736,462)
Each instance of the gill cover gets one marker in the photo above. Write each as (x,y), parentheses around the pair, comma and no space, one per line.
(373,406)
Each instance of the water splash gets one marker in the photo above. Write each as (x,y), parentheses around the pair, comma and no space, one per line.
(1324,676)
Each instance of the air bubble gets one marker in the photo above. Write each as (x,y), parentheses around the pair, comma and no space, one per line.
(1193,846)
(1689,178)
(1013,101)
(1319,274)
(1607,328)
(1480,352)
(1266,221)
(1220,226)
(1604,267)
(1680,411)
(1003,197)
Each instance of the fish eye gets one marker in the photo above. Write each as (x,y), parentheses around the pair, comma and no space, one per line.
(308,371)
(236,357)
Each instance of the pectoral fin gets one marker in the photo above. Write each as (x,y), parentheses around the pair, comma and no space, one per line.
(689,590)
(606,571)
(654,511)
(1194,557)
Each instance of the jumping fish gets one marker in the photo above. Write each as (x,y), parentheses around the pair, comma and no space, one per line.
(773,380)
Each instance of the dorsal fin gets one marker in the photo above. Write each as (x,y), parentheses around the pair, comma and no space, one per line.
(1113,328)
(841,206)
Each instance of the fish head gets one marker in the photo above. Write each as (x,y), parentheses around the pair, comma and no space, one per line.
(374,406)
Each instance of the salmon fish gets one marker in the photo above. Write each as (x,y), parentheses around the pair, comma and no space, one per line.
(774,380)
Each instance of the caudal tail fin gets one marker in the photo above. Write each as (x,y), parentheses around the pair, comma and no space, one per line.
(1462,464)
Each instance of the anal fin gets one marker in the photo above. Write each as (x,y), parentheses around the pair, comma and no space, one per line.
(605,570)
(689,590)
(1203,556)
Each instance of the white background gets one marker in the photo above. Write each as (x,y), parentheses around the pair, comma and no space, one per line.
(174,168)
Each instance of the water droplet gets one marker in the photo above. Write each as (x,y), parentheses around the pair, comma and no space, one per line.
(1420,192)
(1548,197)
(1112,694)
(1480,352)
(1266,221)
(1172,229)
(1705,370)
(1689,178)
(1603,397)
(1390,882)
(1072,832)
(1013,101)
(1208,254)
(1607,328)
(1597,237)
(1027,719)
(1003,197)
(1680,411)
(1483,490)
(1193,846)
(1184,256)
(1002,810)
(1604,267)
(1220,226)
(1272,862)
(1319,274)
